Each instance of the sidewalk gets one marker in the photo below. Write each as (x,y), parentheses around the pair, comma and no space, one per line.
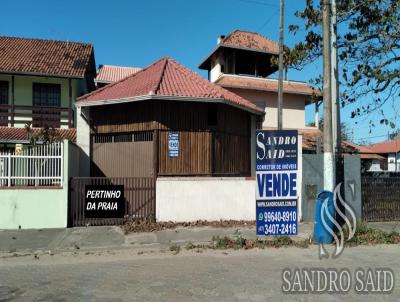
(112,237)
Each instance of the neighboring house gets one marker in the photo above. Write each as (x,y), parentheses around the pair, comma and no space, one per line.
(109,74)
(167,123)
(389,150)
(214,125)
(241,63)
(371,161)
(39,83)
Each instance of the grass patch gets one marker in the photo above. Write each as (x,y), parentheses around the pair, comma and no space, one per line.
(175,249)
(239,242)
(365,235)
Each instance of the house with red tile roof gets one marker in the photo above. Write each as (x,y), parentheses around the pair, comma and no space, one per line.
(391,151)
(166,123)
(39,83)
(109,74)
(241,63)
(160,104)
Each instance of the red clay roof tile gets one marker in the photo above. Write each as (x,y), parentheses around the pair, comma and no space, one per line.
(386,147)
(244,82)
(44,57)
(11,134)
(166,78)
(250,40)
(110,73)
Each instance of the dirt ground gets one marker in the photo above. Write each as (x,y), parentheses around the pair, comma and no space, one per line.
(126,275)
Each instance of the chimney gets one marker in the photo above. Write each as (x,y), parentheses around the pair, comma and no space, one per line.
(220,38)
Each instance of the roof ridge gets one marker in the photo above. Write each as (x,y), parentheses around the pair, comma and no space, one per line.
(158,82)
(199,79)
(218,90)
(94,92)
(119,66)
(170,79)
(250,32)
(46,40)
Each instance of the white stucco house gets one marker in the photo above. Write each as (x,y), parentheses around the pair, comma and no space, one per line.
(241,63)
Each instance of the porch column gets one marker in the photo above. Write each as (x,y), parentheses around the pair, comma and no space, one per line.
(316,114)
(70,124)
(12,101)
(253,127)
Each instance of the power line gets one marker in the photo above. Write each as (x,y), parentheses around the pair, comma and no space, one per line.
(268,20)
(258,2)
(368,137)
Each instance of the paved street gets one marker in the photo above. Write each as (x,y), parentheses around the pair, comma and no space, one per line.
(125,275)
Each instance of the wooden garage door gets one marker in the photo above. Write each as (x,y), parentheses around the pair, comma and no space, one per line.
(123,155)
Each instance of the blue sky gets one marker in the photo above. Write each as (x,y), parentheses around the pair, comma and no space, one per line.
(136,33)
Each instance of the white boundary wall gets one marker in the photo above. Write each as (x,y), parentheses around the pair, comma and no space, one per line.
(194,198)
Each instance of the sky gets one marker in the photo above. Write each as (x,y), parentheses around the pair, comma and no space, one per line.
(137,33)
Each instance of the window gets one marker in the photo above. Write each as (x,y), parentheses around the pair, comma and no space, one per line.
(3,101)
(3,92)
(212,115)
(46,95)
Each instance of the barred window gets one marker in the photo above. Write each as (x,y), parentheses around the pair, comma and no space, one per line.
(46,95)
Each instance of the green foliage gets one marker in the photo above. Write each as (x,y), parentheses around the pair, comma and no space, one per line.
(365,235)
(239,242)
(368,48)
(46,135)
(175,249)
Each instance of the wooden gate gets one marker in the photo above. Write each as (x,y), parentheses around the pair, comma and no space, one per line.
(123,155)
(139,193)
(380,198)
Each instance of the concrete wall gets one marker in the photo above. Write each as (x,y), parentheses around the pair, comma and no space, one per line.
(352,183)
(36,208)
(182,199)
(293,107)
(216,70)
(191,199)
(83,142)
(313,183)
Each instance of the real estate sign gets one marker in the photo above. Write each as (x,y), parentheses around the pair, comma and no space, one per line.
(173,144)
(276,182)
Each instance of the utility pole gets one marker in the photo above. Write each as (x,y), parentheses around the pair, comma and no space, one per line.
(336,125)
(329,163)
(280,76)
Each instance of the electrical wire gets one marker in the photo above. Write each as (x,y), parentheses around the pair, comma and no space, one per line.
(258,2)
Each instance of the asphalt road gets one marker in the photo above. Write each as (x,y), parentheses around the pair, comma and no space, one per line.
(125,275)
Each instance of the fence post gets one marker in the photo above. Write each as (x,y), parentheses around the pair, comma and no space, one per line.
(9,169)
(62,164)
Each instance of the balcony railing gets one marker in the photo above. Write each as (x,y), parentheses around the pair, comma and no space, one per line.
(37,116)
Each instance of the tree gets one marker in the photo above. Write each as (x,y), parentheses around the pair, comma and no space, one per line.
(46,135)
(368,48)
(395,135)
